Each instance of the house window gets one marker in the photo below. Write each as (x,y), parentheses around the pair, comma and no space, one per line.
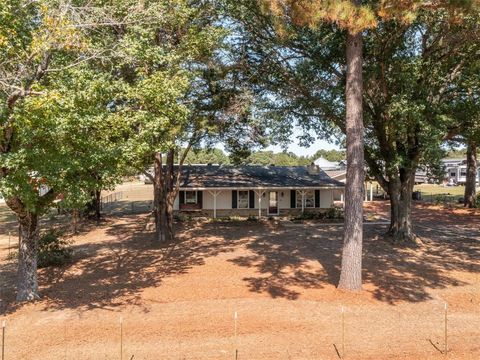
(453,174)
(309,199)
(190,197)
(243,199)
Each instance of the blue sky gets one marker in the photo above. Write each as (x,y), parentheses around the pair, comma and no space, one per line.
(297,149)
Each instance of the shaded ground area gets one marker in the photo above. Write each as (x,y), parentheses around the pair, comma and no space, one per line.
(178,301)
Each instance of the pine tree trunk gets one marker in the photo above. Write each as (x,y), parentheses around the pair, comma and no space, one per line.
(401,230)
(471,181)
(351,271)
(27,284)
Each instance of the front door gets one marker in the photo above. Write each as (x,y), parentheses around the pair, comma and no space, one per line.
(273,203)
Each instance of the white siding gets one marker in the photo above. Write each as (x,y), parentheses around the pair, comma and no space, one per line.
(326,199)
(284,201)
(176,204)
(224,199)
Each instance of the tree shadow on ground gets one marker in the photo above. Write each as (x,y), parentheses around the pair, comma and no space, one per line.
(285,261)
(281,261)
(111,273)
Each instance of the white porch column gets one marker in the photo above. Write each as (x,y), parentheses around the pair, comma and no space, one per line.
(303,200)
(371,191)
(215,193)
(259,194)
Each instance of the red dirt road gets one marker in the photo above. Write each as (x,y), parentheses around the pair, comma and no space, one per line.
(178,302)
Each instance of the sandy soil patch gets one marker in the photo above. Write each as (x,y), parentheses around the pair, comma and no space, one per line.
(178,301)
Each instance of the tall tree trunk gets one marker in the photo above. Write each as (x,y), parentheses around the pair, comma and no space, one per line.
(163,208)
(98,204)
(27,284)
(351,272)
(400,192)
(157,195)
(166,187)
(471,181)
(170,196)
(94,207)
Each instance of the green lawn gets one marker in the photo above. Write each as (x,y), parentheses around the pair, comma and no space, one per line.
(439,189)
(6,215)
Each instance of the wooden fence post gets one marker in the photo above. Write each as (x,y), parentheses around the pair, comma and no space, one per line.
(4,323)
(343,332)
(235,317)
(121,338)
(446,330)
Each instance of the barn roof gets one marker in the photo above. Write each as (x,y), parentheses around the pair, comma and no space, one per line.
(221,176)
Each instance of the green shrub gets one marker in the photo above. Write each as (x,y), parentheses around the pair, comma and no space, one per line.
(477,201)
(334,213)
(53,250)
(308,215)
(252,218)
(180,218)
(12,256)
(440,198)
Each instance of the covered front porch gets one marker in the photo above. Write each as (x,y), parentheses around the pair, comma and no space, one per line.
(264,201)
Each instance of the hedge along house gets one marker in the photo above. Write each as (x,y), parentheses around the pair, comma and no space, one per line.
(219,191)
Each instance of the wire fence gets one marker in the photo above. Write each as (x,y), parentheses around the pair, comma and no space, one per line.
(445,198)
(110,199)
(294,331)
(423,196)
(117,204)
(125,207)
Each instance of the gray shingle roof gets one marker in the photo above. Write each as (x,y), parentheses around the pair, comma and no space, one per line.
(219,176)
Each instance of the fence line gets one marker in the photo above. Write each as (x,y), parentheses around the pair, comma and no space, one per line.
(445,198)
(129,207)
(344,339)
(111,198)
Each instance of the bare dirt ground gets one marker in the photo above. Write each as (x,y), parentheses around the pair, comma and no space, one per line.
(178,301)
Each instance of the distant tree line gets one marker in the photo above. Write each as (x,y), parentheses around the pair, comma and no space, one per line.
(218,156)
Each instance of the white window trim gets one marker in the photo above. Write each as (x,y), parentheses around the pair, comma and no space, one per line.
(196,197)
(298,195)
(248,199)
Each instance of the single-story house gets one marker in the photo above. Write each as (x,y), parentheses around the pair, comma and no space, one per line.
(219,191)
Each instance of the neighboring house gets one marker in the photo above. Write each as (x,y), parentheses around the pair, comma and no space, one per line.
(336,171)
(421,176)
(217,190)
(341,176)
(325,164)
(456,170)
